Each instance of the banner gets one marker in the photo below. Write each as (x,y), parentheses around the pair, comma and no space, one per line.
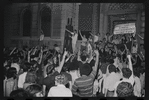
(125,28)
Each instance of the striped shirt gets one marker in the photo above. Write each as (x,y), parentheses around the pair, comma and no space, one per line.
(83,86)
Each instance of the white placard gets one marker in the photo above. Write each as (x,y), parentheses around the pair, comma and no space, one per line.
(125,28)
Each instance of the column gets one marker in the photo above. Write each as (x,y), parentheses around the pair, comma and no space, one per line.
(95,19)
(76,18)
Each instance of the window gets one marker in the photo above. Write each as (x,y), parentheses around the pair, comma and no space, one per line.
(27,16)
(46,21)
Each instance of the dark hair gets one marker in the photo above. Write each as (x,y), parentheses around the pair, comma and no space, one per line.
(111,61)
(124,89)
(11,72)
(31,77)
(83,57)
(15,59)
(33,89)
(19,93)
(85,69)
(126,72)
(55,45)
(26,66)
(112,68)
(74,65)
(136,72)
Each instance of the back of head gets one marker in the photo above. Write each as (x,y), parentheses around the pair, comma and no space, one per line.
(33,89)
(83,57)
(31,77)
(112,68)
(61,79)
(85,69)
(19,93)
(26,66)
(124,89)
(126,72)
(74,65)
(11,72)
(15,59)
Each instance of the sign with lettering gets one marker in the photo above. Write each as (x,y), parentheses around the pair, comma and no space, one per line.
(125,28)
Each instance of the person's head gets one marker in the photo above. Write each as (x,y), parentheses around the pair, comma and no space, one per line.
(83,57)
(84,36)
(107,34)
(26,66)
(112,68)
(142,46)
(61,79)
(124,89)
(85,69)
(19,93)
(126,72)
(111,61)
(104,39)
(15,59)
(35,90)
(11,72)
(31,77)
(75,31)
(73,65)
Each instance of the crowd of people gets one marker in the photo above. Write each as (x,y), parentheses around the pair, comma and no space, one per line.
(110,67)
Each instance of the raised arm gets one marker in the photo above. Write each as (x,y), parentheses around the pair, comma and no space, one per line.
(80,34)
(41,55)
(70,32)
(140,36)
(62,62)
(130,66)
(97,60)
(91,34)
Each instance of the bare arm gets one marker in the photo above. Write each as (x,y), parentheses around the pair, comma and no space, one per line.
(140,36)
(91,33)
(62,62)
(41,54)
(80,34)
(97,60)
(69,31)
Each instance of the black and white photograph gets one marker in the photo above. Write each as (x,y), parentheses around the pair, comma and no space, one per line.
(74,50)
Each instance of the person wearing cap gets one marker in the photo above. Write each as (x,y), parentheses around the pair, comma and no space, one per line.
(60,90)
(83,86)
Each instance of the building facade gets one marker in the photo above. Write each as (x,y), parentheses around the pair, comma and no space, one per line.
(23,22)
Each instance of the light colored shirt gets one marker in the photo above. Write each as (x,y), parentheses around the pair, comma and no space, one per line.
(41,37)
(59,91)
(74,75)
(15,65)
(95,38)
(142,80)
(115,41)
(21,79)
(74,39)
(134,49)
(137,87)
(111,80)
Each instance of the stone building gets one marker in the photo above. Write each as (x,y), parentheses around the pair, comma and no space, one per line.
(23,21)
